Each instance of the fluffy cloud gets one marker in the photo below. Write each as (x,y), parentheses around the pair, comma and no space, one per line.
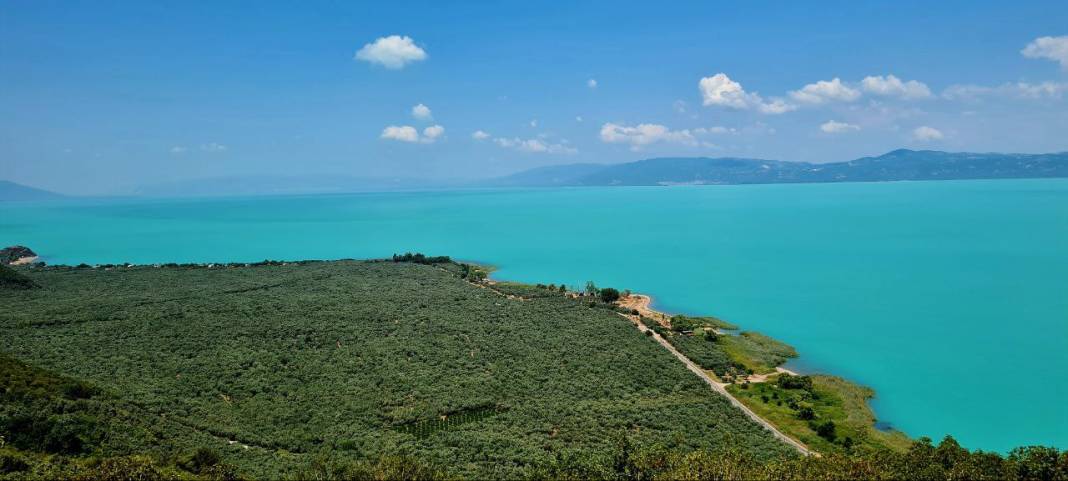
(213,147)
(422,112)
(537,146)
(892,86)
(720,91)
(776,106)
(644,134)
(403,133)
(591,83)
(176,150)
(433,133)
(1020,90)
(392,52)
(1052,48)
(825,91)
(834,127)
(925,133)
(407,133)
(480,135)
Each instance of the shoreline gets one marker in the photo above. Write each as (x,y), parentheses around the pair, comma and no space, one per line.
(21,261)
(738,389)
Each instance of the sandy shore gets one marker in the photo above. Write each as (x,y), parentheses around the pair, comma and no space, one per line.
(643,304)
(24,260)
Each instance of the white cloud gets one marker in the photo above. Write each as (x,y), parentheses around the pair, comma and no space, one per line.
(645,134)
(1020,90)
(776,106)
(591,83)
(715,130)
(422,112)
(720,91)
(578,118)
(432,133)
(537,146)
(403,133)
(835,127)
(892,86)
(407,133)
(925,133)
(176,150)
(1052,48)
(392,52)
(534,123)
(480,135)
(213,147)
(825,91)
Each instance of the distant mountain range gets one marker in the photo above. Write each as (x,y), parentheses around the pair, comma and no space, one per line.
(274,185)
(897,165)
(13,191)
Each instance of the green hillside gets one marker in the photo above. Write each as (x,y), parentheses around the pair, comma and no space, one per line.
(351,361)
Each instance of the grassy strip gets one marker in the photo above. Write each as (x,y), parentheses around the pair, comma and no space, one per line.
(804,410)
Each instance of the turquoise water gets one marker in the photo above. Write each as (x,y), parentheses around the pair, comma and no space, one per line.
(949,298)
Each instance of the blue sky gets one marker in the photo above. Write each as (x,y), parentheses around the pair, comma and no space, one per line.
(99,97)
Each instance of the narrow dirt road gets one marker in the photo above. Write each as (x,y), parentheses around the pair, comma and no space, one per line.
(721,390)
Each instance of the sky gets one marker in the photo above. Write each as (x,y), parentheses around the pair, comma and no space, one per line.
(102,97)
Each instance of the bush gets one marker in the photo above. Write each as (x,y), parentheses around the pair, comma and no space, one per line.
(201,460)
(12,279)
(826,430)
(789,381)
(609,294)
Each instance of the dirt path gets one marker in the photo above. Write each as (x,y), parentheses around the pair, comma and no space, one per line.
(642,304)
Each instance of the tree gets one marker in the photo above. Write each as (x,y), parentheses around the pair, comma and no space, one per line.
(609,294)
(825,430)
(591,288)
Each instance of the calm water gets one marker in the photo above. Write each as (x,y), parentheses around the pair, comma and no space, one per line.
(949,298)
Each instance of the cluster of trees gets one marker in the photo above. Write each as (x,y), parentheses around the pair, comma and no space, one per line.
(922,460)
(605,294)
(12,279)
(419,258)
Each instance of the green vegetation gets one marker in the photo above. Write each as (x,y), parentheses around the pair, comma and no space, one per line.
(689,323)
(12,279)
(756,352)
(421,259)
(349,363)
(729,356)
(408,370)
(826,413)
(921,460)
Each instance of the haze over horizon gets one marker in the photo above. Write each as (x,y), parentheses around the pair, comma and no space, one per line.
(100,98)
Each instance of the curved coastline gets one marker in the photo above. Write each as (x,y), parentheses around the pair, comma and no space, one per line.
(644,304)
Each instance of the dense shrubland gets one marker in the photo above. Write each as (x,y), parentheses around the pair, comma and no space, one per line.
(393,370)
(303,360)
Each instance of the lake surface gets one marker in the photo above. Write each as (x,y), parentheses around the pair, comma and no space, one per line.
(949,298)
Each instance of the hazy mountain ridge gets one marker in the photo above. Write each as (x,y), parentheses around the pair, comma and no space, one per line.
(899,164)
(12,191)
